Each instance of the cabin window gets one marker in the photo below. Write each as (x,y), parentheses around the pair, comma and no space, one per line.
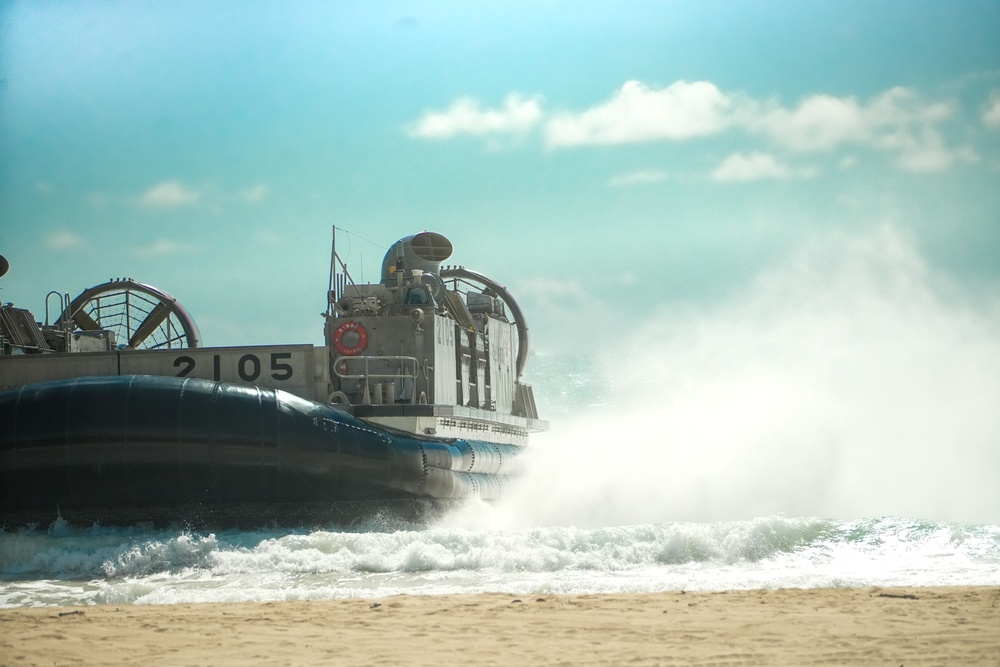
(417,296)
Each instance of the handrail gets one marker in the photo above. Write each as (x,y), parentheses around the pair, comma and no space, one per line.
(382,376)
(368,375)
(64,299)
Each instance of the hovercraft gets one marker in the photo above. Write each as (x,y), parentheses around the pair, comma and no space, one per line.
(116,414)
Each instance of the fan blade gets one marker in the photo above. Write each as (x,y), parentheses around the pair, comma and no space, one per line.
(149,325)
(86,322)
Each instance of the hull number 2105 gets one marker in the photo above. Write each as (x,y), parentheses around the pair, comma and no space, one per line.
(249,367)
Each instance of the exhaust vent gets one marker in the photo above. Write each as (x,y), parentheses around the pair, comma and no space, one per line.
(424,251)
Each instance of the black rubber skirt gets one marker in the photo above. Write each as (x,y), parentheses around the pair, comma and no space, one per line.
(127,449)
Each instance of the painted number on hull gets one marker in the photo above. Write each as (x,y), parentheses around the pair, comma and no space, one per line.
(248,367)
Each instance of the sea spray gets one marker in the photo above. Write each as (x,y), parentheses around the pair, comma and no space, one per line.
(114,565)
(852,381)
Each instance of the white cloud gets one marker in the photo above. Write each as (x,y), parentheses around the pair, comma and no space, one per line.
(255,193)
(991,117)
(897,122)
(820,122)
(637,113)
(64,239)
(161,248)
(901,106)
(927,152)
(750,167)
(466,116)
(168,194)
(638,178)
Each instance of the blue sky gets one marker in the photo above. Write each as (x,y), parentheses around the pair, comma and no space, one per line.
(596,157)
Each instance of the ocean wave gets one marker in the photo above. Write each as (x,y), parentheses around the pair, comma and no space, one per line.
(62,552)
(63,565)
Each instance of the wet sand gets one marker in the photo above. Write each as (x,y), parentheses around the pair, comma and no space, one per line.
(850,626)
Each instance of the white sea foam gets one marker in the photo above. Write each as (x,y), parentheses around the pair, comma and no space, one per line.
(102,565)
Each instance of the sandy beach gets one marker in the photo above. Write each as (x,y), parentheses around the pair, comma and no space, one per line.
(854,626)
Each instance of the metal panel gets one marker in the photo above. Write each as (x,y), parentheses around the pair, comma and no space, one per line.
(17,370)
(290,368)
(501,361)
(443,361)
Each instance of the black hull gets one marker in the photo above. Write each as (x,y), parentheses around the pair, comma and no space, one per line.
(122,450)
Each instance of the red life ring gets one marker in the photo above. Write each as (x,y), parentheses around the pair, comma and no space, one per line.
(357,328)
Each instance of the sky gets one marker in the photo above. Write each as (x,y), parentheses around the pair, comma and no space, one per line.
(585,154)
(784,213)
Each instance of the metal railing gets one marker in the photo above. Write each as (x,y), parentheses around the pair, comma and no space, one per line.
(367,374)
(371,392)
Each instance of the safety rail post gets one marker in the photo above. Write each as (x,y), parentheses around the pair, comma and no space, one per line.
(368,375)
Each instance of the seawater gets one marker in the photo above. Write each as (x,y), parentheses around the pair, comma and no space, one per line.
(61,565)
(833,425)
